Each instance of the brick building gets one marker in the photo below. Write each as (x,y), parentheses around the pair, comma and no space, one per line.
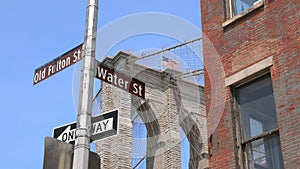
(171,105)
(252,82)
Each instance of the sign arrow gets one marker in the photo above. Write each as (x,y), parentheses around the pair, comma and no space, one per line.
(67,135)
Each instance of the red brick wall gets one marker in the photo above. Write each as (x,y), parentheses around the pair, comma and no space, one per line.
(272,30)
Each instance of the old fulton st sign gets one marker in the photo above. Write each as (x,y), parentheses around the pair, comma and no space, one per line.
(57,65)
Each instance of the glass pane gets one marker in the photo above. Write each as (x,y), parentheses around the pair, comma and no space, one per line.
(259,153)
(264,153)
(255,127)
(257,107)
(242,5)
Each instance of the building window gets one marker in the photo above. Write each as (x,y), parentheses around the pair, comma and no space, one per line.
(238,6)
(259,128)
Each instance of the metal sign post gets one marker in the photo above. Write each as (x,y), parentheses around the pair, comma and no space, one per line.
(82,141)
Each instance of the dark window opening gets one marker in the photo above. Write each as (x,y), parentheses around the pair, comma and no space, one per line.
(260,136)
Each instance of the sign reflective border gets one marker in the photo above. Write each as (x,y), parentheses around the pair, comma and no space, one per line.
(121,81)
(58,64)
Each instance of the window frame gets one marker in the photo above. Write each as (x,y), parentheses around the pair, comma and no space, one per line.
(237,114)
(232,7)
(229,11)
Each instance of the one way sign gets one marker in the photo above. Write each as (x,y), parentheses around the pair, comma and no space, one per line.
(103,126)
(65,133)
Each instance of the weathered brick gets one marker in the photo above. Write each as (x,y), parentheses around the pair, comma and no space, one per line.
(269,31)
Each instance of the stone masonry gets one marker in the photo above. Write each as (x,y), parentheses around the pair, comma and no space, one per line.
(170,103)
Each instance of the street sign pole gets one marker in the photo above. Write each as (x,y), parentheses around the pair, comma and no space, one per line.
(82,141)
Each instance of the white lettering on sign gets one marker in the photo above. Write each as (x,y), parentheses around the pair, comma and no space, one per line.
(77,56)
(57,64)
(137,89)
(114,79)
(67,135)
(60,64)
(102,126)
(40,75)
(121,81)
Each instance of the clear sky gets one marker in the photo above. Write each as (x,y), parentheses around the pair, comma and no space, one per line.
(35,32)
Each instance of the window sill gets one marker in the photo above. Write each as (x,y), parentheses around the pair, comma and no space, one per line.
(261,136)
(244,13)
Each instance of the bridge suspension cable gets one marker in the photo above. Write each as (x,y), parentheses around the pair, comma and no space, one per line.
(164,50)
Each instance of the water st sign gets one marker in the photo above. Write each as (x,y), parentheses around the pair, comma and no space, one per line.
(121,81)
(103,126)
(58,64)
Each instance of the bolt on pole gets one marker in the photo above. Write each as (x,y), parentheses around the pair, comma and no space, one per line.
(82,142)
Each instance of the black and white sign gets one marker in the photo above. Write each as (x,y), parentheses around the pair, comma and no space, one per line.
(65,133)
(103,126)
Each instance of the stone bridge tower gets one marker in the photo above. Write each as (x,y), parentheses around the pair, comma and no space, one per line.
(169,104)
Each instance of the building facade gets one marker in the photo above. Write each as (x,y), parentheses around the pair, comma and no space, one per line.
(252,83)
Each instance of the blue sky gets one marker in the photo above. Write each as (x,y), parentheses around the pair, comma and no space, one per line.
(35,32)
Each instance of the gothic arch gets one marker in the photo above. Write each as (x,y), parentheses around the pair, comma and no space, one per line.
(169,103)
